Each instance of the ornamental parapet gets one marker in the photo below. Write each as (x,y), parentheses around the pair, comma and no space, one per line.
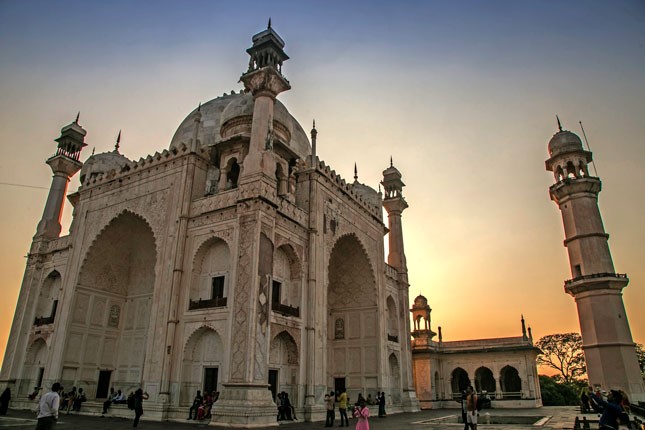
(595,282)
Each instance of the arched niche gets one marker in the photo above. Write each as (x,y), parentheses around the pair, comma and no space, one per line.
(287,277)
(47,303)
(392,320)
(284,359)
(111,306)
(201,364)
(34,368)
(210,275)
(395,378)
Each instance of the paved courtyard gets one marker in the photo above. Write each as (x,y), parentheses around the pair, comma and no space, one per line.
(554,418)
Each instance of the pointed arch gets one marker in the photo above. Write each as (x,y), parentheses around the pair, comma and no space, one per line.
(351,273)
(210,275)
(459,381)
(47,302)
(510,382)
(484,380)
(395,378)
(34,367)
(287,272)
(284,358)
(203,355)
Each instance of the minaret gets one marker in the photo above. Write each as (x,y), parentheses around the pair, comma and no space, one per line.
(606,337)
(395,204)
(265,81)
(65,163)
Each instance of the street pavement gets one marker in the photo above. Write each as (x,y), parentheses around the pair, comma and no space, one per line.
(556,418)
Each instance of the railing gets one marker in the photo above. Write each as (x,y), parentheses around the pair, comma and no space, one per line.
(285,309)
(217,302)
(595,275)
(393,338)
(44,321)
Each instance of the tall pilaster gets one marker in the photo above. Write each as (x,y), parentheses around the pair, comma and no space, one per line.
(64,164)
(606,337)
(395,204)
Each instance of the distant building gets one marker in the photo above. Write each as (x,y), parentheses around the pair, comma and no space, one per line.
(233,261)
(503,368)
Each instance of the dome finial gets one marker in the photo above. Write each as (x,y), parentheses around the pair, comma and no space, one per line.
(93,149)
(78,115)
(118,141)
(391,164)
(559,124)
(199,107)
(355,173)
(269,26)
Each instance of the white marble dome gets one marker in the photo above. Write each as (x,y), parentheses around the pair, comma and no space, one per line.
(103,163)
(563,142)
(231,115)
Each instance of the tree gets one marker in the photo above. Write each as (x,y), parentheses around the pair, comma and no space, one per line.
(640,354)
(563,352)
(556,393)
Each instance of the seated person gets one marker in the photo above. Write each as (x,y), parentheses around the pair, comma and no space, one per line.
(78,400)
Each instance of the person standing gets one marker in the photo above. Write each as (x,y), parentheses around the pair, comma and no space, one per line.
(197,402)
(362,412)
(471,408)
(342,408)
(330,401)
(381,405)
(139,397)
(48,409)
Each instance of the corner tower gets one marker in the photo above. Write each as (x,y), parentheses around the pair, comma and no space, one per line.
(64,164)
(596,287)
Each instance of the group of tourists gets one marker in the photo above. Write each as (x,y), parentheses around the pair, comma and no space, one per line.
(55,400)
(613,407)
(360,411)
(202,405)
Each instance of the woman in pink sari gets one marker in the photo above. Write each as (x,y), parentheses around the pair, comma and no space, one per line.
(362,413)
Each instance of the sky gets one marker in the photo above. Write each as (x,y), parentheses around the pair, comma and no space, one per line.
(462,95)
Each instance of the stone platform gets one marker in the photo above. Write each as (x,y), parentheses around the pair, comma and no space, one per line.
(555,418)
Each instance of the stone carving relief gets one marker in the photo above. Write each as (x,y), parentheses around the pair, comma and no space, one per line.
(115,314)
(239,346)
(339,329)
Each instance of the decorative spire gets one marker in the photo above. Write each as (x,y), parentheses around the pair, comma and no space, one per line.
(93,149)
(391,164)
(118,141)
(440,335)
(530,335)
(269,26)
(199,107)
(559,124)
(314,133)
(77,117)
(355,173)
(523,328)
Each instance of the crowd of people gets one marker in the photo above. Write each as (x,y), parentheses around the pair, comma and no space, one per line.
(360,410)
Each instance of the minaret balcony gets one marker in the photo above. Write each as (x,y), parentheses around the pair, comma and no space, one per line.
(596,281)
(572,186)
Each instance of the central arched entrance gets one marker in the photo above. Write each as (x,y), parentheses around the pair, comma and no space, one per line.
(353,347)
(106,342)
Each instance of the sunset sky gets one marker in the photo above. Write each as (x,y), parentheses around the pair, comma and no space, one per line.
(462,95)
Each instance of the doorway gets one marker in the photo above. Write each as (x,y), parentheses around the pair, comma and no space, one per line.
(273,382)
(103,384)
(339,385)
(210,379)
